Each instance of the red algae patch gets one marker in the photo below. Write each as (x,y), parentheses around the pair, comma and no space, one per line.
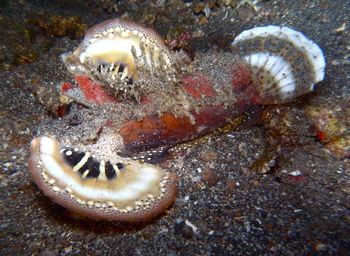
(93,91)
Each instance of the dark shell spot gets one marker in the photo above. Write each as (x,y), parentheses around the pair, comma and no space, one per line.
(130,81)
(74,158)
(109,170)
(121,68)
(93,166)
(120,166)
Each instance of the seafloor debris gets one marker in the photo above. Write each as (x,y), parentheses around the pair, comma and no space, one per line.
(332,126)
(31,39)
(287,128)
(143,99)
(55,25)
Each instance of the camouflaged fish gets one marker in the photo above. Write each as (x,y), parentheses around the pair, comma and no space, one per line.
(142,99)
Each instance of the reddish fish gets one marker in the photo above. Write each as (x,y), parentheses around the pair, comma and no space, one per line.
(153,99)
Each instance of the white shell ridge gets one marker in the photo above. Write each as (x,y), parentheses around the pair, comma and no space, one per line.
(284,63)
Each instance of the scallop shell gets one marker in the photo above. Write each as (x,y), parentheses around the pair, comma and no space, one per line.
(284,63)
(124,57)
(129,192)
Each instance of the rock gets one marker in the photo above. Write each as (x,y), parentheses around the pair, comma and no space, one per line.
(209,155)
(209,176)
(184,230)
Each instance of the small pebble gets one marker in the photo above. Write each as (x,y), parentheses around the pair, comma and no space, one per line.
(209,176)
(208,155)
(184,230)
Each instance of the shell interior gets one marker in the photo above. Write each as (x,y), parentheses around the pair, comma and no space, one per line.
(122,56)
(99,189)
